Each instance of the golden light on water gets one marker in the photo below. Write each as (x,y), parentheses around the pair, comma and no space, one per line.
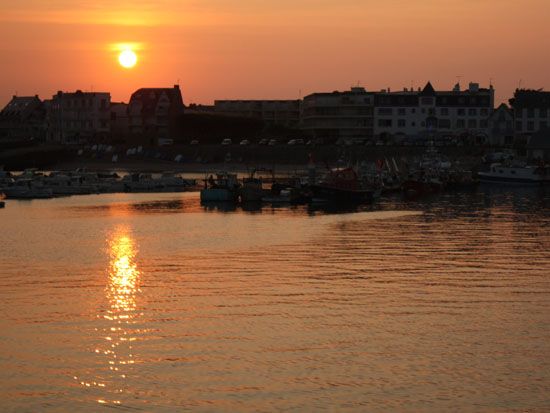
(119,332)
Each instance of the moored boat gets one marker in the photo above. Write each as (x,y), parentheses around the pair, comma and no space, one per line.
(522,174)
(342,185)
(224,187)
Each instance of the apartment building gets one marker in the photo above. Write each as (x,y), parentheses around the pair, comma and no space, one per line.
(430,113)
(78,117)
(338,116)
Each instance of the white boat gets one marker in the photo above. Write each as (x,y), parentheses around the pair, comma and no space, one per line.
(516,174)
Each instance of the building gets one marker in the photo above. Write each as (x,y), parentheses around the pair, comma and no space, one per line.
(119,122)
(531,110)
(78,117)
(501,126)
(430,113)
(538,147)
(272,112)
(153,113)
(22,119)
(338,116)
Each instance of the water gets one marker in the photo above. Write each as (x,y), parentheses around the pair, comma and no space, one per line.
(151,302)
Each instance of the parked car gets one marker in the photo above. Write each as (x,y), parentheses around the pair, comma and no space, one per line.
(194,142)
(263,141)
(272,142)
(292,142)
(227,141)
(299,142)
(245,142)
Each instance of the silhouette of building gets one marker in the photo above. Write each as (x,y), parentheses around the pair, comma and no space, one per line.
(501,126)
(22,119)
(538,147)
(271,112)
(119,122)
(78,117)
(153,113)
(531,110)
(338,116)
(430,113)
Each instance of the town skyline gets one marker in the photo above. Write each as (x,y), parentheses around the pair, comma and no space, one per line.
(284,51)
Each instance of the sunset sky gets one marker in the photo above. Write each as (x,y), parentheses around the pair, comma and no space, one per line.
(253,49)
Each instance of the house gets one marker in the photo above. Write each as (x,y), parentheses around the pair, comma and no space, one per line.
(22,119)
(153,114)
(78,117)
(501,126)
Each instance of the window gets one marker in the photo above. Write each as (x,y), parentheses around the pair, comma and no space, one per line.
(530,126)
(472,123)
(460,123)
(385,111)
(461,112)
(444,111)
(543,113)
(427,101)
(423,110)
(413,110)
(519,126)
(431,111)
(543,125)
(444,123)
(483,123)
(472,112)
(423,124)
(401,123)
(484,112)
(385,123)
(401,112)
(413,123)
(530,113)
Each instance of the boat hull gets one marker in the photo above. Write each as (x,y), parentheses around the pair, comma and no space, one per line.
(218,195)
(509,180)
(331,194)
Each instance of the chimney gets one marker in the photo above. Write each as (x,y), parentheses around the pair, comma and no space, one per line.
(177,87)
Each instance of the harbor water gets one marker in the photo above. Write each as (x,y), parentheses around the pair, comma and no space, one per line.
(152,302)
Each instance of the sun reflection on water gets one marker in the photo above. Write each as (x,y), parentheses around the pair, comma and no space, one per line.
(119,330)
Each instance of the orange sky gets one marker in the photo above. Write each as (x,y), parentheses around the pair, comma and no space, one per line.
(221,49)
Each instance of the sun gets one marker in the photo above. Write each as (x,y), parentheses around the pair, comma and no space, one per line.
(127,58)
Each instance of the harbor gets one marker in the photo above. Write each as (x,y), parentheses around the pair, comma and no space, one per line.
(229,300)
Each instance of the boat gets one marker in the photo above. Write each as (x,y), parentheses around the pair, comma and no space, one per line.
(342,185)
(27,189)
(252,189)
(420,183)
(526,174)
(224,187)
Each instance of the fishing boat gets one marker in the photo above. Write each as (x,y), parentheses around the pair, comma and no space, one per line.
(525,174)
(342,185)
(224,187)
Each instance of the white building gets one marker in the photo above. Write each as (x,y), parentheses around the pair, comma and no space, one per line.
(78,117)
(337,116)
(433,113)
